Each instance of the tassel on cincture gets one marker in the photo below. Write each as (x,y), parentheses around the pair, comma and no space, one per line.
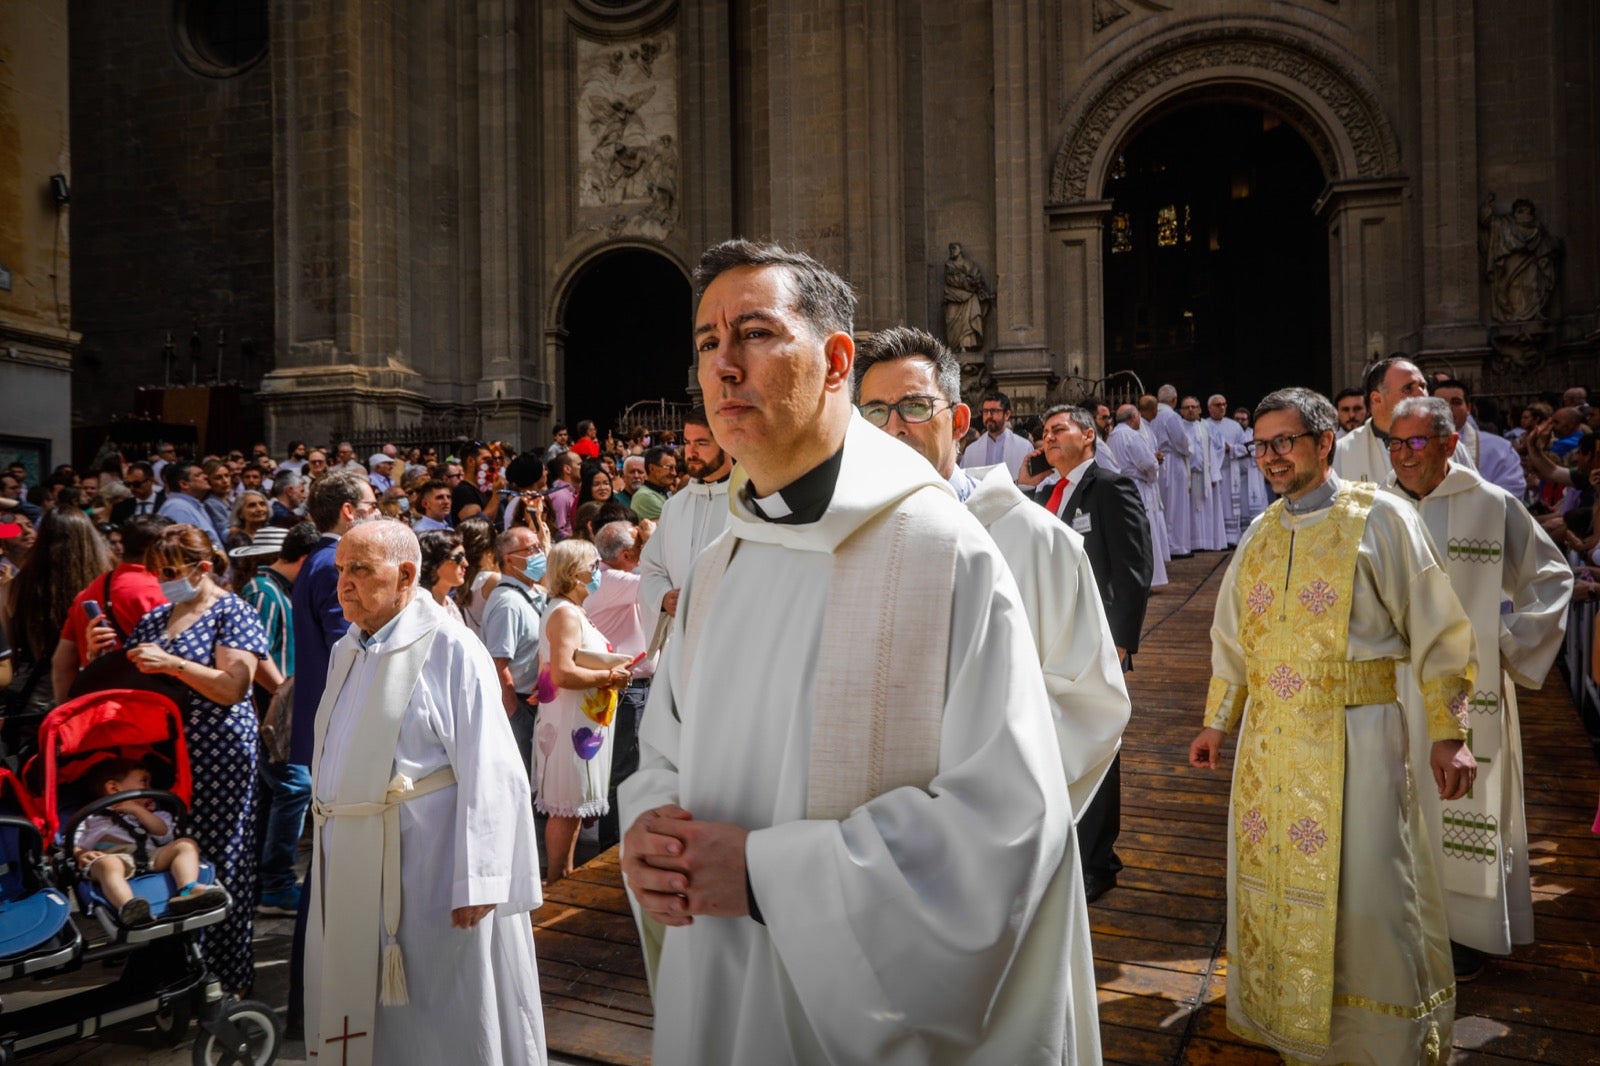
(393,992)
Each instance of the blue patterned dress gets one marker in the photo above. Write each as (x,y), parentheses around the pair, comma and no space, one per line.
(222,761)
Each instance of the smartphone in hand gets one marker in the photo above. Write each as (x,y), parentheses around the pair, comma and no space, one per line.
(1038,464)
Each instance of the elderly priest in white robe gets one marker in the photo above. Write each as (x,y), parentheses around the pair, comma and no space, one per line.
(850,836)
(1516,586)
(415,772)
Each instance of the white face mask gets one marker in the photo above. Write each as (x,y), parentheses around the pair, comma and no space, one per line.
(179,590)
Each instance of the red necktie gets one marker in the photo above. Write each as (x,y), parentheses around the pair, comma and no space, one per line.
(1057,496)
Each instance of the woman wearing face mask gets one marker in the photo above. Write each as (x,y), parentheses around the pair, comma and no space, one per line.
(211,640)
(572,738)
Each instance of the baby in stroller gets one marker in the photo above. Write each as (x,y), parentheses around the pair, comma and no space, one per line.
(113,846)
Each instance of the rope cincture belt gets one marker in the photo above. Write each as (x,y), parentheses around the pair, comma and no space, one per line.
(401,790)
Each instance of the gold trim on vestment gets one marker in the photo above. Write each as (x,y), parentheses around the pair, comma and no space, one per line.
(1295,590)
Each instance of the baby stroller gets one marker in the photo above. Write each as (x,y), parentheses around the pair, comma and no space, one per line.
(163,972)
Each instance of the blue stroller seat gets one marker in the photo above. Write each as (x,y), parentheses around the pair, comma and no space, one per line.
(155,889)
(36,930)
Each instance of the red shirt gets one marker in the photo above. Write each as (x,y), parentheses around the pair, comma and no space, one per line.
(587,447)
(134,591)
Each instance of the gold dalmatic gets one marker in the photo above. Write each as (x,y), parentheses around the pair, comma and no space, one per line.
(1288,788)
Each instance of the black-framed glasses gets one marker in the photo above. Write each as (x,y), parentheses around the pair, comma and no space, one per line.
(1416,444)
(911,409)
(1282,444)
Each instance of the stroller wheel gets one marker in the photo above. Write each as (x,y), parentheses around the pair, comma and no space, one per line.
(173,1023)
(258,1027)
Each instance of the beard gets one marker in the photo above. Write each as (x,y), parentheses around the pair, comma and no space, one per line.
(699,468)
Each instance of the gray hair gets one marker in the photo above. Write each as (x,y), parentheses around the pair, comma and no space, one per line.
(821,297)
(1316,413)
(906,342)
(238,505)
(1167,394)
(633,460)
(614,538)
(286,481)
(1435,410)
(509,541)
(1127,413)
(1080,417)
(398,542)
(1214,397)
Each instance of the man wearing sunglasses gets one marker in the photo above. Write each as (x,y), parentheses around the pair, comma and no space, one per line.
(1497,557)
(1337,945)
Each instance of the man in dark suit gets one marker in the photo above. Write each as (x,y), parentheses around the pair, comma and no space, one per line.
(1106,511)
(337,501)
(147,496)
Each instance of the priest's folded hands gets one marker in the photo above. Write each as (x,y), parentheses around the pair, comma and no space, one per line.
(677,867)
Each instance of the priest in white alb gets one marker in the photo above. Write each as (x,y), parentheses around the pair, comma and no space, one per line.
(1515,586)
(419,949)
(1172,443)
(850,835)
(1208,531)
(1363,453)
(690,519)
(1227,447)
(1138,462)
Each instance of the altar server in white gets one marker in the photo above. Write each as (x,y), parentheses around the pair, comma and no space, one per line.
(1515,586)
(690,519)
(1138,461)
(1492,454)
(1172,441)
(850,836)
(1227,448)
(1208,531)
(415,770)
(909,385)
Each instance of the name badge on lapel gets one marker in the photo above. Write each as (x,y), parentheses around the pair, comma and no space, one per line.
(1081,523)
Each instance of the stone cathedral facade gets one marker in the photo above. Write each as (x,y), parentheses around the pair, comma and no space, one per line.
(372,212)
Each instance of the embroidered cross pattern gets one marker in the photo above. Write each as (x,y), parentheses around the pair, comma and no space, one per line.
(1471,837)
(1458,707)
(1285,682)
(1260,598)
(344,1041)
(1318,596)
(1254,825)
(1473,551)
(1308,836)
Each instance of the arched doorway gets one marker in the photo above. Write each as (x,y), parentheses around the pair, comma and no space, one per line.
(627,318)
(1216,262)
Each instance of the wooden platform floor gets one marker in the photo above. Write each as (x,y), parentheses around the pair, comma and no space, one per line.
(1158,937)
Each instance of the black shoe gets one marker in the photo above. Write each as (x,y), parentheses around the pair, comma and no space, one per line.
(1096,886)
(1467,962)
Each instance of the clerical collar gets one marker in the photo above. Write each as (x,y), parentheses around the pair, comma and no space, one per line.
(367,640)
(1380,434)
(1316,499)
(803,500)
(716,480)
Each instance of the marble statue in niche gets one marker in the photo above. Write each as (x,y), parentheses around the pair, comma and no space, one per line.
(1521,258)
(967,297)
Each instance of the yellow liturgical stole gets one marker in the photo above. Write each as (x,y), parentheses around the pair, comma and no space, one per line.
(1295,588)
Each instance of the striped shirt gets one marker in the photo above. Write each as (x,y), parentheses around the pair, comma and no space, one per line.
(268,593)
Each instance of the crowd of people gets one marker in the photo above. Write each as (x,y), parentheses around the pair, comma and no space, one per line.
(431,652)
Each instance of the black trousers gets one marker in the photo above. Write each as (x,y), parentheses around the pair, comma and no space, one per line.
(624,753)
(1100,824)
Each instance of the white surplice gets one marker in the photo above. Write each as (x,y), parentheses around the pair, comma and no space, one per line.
(1497,461)
(1392,944)
(1361,455)
(1208,531)
(1516,586)
(691,518)
(935,925)
(1227,446)
(1138,461)
(1173,442)
(1069,627)
(473,994)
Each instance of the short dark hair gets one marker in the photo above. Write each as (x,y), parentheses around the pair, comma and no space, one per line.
(300,541)
(433,484)
(176,473)
(583,427)
(437,546)
(697,417)
(558,429)
(1316,413)
(1081,417)
(142,467)
(556,466)
(1351,392)
(139,532)
(330,493)
(654,454)
(1372,381)
(821,297)
(1454,383)
(906,342)
(996,396)
(521,472)
(614,510)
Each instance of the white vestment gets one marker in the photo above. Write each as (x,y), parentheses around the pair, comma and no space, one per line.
(1138,462)
(473,994)
(1515,586)
(1227,446)
(1106,459)
(1173,442)
(1392,944)
(932,925)
(1361,455)
(1011,450)
(1250,488)
(1069,627)
(1208,531)
(690,519)
(1496,459)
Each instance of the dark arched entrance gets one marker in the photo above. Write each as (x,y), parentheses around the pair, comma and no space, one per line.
(1216,264)
(627,319)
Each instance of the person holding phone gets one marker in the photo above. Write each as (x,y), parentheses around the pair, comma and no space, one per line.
(105,611)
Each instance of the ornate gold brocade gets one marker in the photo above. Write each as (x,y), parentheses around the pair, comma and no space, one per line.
(1294,589)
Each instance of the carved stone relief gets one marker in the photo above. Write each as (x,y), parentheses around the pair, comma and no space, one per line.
(1339,91)
(1521,259)
(627,133)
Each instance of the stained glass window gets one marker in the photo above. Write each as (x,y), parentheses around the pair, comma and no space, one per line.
(1121,233)
(1167,226)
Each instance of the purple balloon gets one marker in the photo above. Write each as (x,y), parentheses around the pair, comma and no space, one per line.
(586,742)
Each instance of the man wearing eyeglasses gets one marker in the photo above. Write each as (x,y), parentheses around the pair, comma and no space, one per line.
(1337,945)
(908,385)
(1362,454)
(997,444)
(1515,586)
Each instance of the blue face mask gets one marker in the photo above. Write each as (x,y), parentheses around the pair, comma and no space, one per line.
(178,590)
(594,583)
(533,567)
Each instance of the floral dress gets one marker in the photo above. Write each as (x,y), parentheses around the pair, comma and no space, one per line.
(572,737)
(222,759)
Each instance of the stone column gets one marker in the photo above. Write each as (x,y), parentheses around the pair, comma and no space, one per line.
(339,143)
(1079,272)
(1366,289)
(1019,361)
